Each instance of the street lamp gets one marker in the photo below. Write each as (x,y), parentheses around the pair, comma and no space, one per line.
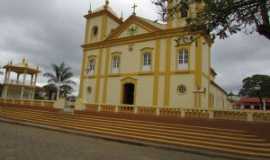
(258,88)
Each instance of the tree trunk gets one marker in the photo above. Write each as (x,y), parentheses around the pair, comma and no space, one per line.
(58,93)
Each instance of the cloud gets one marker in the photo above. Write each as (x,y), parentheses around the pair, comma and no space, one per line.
(240,56)
(52,31)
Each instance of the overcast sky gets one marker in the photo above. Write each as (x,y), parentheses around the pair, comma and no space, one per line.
(51,31)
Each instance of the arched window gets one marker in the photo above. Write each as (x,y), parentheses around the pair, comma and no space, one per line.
(183,59)
(183,11)
(115,63)
(147,61)
(91,66)
(94,31)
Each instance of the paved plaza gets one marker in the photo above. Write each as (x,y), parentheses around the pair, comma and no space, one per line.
(27,143)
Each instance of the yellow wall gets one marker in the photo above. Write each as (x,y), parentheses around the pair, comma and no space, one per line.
(185,100)
(220,99)
(157,87)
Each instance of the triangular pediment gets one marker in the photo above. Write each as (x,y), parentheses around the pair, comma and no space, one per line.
(131,27)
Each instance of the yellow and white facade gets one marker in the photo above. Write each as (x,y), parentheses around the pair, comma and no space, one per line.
(143,63)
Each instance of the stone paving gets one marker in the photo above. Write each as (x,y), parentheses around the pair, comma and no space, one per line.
(27,143)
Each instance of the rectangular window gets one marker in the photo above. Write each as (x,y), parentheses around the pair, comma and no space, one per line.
(115,64)
(147,61)
(183,59)
(92,66)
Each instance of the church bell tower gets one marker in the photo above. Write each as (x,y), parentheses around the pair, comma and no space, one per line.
(178,14)
(100,22)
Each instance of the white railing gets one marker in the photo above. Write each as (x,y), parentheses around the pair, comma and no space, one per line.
(15,82)
(27,102)
(229,114)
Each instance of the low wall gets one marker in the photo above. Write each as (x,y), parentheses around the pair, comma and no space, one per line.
(27,103)
(240,115)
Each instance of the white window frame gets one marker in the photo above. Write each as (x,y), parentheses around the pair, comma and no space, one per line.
(91,66)
(183,58)
(147,61)
(116,60)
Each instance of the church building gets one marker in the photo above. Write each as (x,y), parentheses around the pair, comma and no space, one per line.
(145,63)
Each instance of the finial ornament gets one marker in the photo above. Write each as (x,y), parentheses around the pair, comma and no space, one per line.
(90,9)
(107,2)
(122,15)
(134,9)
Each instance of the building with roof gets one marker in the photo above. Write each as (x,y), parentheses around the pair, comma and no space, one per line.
(252,103)
(145,63)
(24,84)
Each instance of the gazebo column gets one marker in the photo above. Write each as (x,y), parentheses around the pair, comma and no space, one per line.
(6,80)
(34,84)
(32,78)
(24,77)
(33,93)
(18,78)
(6,73)
(8,76)
(22,92)
(35,81)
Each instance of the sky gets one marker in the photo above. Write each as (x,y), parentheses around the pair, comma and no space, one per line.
(51,31)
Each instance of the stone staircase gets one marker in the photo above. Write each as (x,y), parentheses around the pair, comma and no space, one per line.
(206,140)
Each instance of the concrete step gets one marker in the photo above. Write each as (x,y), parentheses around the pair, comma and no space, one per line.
(63,123)
(177,133)
(218,133)
(139,137)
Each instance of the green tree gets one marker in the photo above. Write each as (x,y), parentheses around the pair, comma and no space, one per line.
(256,86)
(50,91)
(224,17)
(60,79)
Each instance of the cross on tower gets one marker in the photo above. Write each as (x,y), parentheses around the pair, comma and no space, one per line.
(134,9)
(107,2)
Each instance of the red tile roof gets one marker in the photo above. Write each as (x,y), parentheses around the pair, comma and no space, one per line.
(246,100)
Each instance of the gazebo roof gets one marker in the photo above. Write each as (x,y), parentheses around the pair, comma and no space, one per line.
(22,67)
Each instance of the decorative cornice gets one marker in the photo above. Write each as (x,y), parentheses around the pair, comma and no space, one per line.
(142,37)
(136,20)
(103,12)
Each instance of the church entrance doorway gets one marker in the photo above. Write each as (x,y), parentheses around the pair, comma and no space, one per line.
(128,93)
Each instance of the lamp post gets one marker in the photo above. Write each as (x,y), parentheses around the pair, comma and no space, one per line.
(258,88)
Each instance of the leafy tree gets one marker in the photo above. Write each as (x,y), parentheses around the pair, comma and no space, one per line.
(60,79)
(256,86)
(223,17)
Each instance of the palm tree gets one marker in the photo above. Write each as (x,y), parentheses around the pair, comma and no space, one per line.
(61,79)
(50,91)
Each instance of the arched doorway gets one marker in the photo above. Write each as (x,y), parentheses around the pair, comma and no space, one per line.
(128,93)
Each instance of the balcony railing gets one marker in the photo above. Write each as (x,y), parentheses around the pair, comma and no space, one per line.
(15,82)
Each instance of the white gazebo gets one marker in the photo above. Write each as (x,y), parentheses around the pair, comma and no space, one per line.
(24,84)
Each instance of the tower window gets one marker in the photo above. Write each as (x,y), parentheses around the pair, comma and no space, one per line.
(183,59)
(92,66)
(95,31)
(184,13)
(184,10)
